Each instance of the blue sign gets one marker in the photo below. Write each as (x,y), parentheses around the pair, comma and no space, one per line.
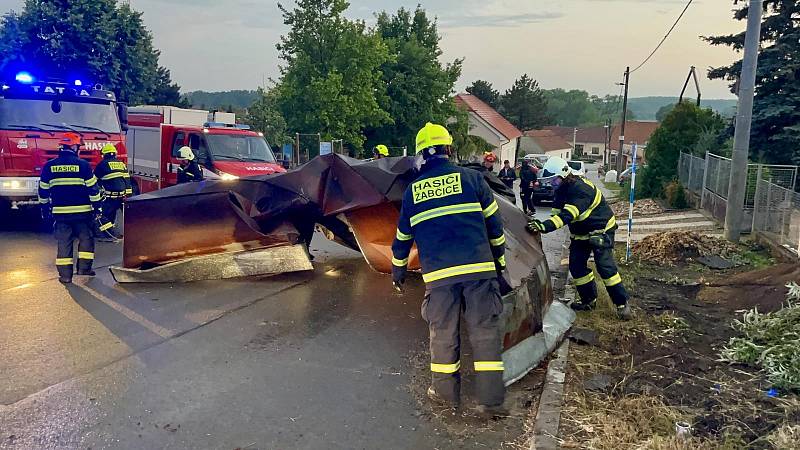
(288,152)
(325,148)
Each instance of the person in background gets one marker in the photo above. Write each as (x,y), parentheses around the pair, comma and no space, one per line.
(116,183)
(527,182)
(380,151)
(508,175)
(489,160)
(189,169)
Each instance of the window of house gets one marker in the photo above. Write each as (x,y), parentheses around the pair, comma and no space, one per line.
(595,150)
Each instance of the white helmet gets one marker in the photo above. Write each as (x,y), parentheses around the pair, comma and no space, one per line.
(185,153)
(555,167)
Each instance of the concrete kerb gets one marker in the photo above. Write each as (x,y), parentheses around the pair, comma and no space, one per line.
(548,415)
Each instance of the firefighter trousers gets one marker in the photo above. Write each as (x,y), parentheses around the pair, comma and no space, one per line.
(110,208)
(479,303)
(579,252)
(66,233)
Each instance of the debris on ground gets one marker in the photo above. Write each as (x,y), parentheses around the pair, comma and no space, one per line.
(665,367)
(583,336)
(770,341)
(644,207)
(670,247)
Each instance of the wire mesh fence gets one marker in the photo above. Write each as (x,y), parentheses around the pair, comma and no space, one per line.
(777,212)
(709,180)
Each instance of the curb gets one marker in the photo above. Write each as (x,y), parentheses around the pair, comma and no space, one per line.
(548,415)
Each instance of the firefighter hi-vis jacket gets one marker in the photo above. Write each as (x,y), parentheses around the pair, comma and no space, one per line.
(452,215)
(581,206)
(114,178)
(69,186)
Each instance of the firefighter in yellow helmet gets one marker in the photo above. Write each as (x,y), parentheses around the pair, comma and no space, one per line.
(451,214)
(115,180)
(380,151)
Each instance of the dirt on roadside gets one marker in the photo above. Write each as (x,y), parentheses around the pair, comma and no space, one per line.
(644,375)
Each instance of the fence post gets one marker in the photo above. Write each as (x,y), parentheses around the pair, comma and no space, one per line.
(757,199)
(705,182)
(767,212)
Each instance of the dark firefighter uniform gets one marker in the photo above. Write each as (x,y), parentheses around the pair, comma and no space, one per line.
(116,183)
(451,214)
(69,190)
(592,224)
(190,172)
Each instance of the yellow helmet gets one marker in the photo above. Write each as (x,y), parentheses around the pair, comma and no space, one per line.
(381,150)
(432,135)
(108,148)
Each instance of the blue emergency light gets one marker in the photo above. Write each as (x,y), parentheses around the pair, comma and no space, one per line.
(24,78)
(78,83)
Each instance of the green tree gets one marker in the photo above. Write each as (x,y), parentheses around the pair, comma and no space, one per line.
(682,130)
(663,111)
(331,80)
(100,40)
(775,132)
(524,104)
(263,116)
(572,108)
(418,86)
(486,92)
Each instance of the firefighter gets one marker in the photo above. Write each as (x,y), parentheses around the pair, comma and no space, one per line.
(451,214)
(580,204)
(116,183)
(190,170)
(380,151)
(489,159)
(69,193)
(527,183)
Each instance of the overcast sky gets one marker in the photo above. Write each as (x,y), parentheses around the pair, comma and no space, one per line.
(585,44)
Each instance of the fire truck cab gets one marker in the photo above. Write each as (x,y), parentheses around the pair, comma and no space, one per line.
(35,114)
(224,149)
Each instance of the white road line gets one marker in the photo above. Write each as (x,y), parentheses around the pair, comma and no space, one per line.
(129,313)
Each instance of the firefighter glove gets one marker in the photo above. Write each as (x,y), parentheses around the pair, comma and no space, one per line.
(399,277)
(535,226)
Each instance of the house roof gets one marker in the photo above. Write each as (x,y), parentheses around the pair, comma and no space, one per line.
(635,131)
(590,134)
(488,114)
(548,140)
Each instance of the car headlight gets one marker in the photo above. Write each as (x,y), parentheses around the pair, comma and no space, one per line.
(227,177)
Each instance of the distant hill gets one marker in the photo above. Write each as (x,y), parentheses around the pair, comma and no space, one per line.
(645,108)
(237,100)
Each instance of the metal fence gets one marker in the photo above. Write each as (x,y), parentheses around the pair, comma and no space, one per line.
(777,212)
(709,178)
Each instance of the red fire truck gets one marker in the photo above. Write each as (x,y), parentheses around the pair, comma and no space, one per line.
(35,114)
(223,148)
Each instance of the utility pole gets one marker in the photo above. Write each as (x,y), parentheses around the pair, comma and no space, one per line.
(744,116)
(574,141)
(620,165)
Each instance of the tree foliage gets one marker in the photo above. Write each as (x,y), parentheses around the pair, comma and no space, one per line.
(331,79)
(775,132)
(663,111)
(418,86)
(682,130)
(98,40)
(263,115)
(572,108)
(524,104)
(486,92)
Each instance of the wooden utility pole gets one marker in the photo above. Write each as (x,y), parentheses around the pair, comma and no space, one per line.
(620,164)
(744,118)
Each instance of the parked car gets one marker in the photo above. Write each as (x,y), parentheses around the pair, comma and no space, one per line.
(578,168)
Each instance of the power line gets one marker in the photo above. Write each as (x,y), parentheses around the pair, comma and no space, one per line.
(665,37)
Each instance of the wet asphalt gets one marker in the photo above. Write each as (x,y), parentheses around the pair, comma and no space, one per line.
(315,360)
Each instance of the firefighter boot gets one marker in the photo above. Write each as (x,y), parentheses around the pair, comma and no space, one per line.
(439,400)
(65,272)
(624,312)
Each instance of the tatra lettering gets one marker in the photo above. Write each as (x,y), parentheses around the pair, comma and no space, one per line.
(438,187)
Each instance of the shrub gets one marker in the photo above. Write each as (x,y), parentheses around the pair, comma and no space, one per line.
(675,195)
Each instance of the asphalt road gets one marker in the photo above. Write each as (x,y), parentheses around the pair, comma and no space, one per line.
(309,360)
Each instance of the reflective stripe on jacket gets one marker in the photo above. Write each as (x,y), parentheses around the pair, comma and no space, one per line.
(452,215)
(582,207)
(68,185)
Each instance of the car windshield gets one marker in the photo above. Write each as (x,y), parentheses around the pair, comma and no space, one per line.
(239,148)
(575,165)
(15,113)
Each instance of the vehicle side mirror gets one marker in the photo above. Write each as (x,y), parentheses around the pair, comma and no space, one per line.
(122,112)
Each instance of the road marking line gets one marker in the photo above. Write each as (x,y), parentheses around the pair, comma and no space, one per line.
(129,313)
